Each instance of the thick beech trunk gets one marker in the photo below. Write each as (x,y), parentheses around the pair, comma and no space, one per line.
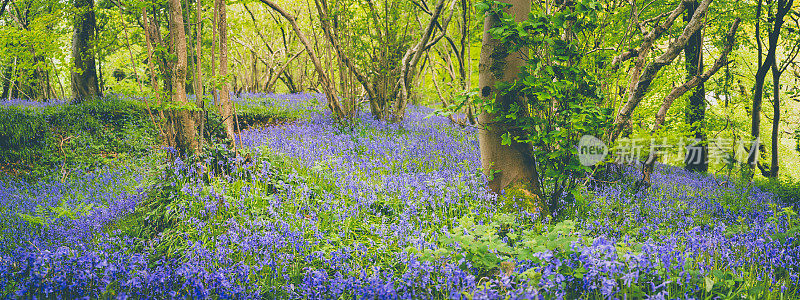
(509,167)
(84,74)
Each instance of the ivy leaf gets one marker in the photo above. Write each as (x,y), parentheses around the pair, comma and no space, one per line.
(506,139)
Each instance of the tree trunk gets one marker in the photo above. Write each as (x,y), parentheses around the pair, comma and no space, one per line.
(153,35)
(758,93)
(776,117)
(185,130)
(509,167)
(226,105)
(7,81)
(334,40)
(214,42)
(409,64)
(253,72)
(761,74)
(198,71)
(152,69)
(641,76)
(696,110)
(84,73)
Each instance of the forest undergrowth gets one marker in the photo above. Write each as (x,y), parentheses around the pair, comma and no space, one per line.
(313,209)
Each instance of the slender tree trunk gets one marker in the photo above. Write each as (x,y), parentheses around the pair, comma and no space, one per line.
(642,74)
(198,48)
(776,117)
(409,64)
(134,65)
(166,136)
(225,93)
(198,72)
(783,7)
(270,84)
(697,157)
(253,72)
(14,83)
(187,28)
(84,73)
(155,40)
(509,167)
(6,82)
(214,44)
(467,32)
(150,57)
(758,92)
(185,130)
(322,11)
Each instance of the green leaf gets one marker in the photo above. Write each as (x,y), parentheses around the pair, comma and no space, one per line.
(709,283)
(482,7)
(506,139)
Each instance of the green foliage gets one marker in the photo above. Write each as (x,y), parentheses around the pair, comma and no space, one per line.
(269,111)
(493,247)
(44,215)
(785,188)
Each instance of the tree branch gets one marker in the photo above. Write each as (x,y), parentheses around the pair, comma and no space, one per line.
(333,98)
(697,80)
(640,84)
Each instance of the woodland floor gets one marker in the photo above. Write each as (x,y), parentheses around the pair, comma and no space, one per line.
(313,209)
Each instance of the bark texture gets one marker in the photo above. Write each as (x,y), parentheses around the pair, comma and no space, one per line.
(198,48)
(200,116)
(776,118)
(225,103)
(696,110)
(84,74)
(184,125)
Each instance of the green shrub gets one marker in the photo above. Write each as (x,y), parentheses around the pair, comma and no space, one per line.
(785,188)
(36,139)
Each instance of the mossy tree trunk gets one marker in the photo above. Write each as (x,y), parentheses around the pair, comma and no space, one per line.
(84,72)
